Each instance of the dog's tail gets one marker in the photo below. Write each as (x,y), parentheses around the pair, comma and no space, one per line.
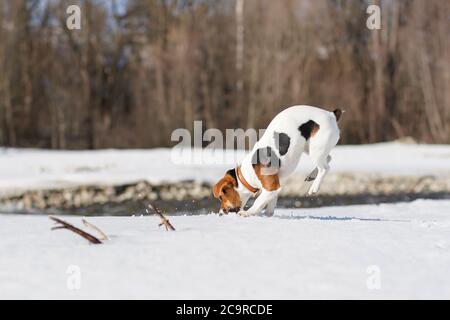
(338,113)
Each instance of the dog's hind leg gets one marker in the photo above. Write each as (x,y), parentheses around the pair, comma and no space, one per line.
(322,170)
(312,176)
(319,149)
(319,152)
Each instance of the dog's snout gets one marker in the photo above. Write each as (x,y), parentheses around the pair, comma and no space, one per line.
(228,210)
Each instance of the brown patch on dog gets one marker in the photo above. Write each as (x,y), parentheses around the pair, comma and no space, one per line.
(314,130)
(224,191)
(269,180)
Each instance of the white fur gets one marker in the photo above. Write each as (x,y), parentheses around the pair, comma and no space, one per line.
(318,147)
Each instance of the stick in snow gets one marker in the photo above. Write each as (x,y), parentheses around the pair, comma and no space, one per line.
(103,235)
(164,220)
(68,226)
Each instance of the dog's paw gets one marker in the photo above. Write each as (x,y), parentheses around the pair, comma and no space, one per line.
(269,213)
(244,214)
(312,191)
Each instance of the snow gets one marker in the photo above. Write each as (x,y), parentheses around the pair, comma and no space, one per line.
(330,252)
(370,251)
(25,169)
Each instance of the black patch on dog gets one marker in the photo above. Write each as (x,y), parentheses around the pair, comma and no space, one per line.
(232,172)
(337,113)
(282,142)
(312,176)
(307,128)
(266,157)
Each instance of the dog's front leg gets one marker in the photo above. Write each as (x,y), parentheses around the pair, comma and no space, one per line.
(270,209)
(244,200)
(262,201)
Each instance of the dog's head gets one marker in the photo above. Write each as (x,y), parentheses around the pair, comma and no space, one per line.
(225,191)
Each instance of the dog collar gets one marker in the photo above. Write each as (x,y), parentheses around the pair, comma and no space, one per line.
(244,182)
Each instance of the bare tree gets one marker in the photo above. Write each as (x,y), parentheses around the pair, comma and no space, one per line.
(138,69)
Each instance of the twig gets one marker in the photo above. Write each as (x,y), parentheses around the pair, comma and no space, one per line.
(68,226)
(103,235)
(164,220)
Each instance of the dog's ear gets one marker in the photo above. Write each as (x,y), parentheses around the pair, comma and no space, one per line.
(226,182)
(217,189)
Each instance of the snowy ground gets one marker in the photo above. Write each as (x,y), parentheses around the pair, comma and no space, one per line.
(387,251)
(25,169)
(401,249)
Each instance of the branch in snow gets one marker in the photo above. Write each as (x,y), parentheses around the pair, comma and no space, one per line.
(164,220)
(64,225)
(103,236)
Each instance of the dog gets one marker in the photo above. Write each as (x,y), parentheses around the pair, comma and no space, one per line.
(294,131)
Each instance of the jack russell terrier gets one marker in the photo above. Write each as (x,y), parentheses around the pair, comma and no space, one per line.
(295,130)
